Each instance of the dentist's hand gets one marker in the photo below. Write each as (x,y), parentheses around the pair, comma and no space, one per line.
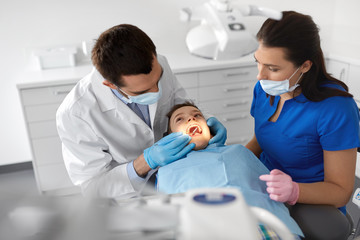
(218,129)
(168,149)
(281,188)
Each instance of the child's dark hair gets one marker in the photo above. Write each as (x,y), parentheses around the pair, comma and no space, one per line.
(187,103)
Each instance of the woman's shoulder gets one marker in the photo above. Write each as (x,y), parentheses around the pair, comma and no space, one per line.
(335,101)
(336,107)
(329,84)
(337,104)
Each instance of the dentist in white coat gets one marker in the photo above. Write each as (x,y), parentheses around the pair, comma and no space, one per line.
(109,122)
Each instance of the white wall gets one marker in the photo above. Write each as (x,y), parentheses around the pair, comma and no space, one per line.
(25,25)
(346,29)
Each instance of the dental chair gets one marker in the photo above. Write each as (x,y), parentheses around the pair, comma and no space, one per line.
(336,226)
(310,218)
(355,233)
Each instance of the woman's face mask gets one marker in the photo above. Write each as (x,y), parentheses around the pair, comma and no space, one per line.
(145,98)
(276,88)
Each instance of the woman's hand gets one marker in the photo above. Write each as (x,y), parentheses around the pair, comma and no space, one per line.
(280,187)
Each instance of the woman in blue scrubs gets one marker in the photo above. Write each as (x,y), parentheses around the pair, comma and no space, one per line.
(306,127)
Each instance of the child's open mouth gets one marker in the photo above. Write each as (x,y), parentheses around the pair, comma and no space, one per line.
(193,129)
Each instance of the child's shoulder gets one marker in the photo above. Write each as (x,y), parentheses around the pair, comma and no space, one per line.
(232,147)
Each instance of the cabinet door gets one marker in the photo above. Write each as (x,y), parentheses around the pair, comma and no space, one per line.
(189,81)
(354,82)
(227,94)
(45,95)
(226,91)
(193,94)
(237,123)
(243,139)
(40,106)
(54,180)
(338,70)
(232,75)
(238,104)
(47,151)
(42,129)
(43,112)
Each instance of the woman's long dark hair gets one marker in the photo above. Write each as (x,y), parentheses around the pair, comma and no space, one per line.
(299,36)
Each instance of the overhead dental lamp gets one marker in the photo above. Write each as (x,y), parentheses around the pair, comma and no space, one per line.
(222,34)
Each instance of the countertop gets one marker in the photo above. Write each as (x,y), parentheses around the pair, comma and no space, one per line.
(179,63)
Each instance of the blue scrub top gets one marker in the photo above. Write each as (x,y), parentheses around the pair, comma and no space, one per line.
(295,142)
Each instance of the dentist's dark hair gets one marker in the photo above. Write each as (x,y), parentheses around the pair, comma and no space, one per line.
(299,36)
(123,50)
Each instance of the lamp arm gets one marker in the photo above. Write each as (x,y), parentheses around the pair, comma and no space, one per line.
(193,13)
(252,10)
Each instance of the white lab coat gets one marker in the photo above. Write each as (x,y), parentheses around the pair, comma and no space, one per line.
(100,134)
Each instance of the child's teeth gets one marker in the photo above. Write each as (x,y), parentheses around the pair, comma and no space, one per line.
(194,131)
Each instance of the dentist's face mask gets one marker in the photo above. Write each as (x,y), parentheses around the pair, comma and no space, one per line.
(276,88)
(145,98)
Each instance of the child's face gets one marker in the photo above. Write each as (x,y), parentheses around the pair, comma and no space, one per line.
(189,120)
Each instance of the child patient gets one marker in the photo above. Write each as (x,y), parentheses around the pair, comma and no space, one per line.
(216,165)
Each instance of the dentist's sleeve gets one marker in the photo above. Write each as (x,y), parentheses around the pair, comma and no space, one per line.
(88,162)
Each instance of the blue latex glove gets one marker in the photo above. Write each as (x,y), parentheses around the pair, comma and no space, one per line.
(218,129)
(168,149)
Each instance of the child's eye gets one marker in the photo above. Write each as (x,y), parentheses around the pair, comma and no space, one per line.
(178,119)
(198,115)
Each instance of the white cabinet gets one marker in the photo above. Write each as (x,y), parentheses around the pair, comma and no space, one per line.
(39,107)
(224,93)
(354,88)
(338,69)
(189,81)
(357,170)
(348,72)
(227,94)
(354,82)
